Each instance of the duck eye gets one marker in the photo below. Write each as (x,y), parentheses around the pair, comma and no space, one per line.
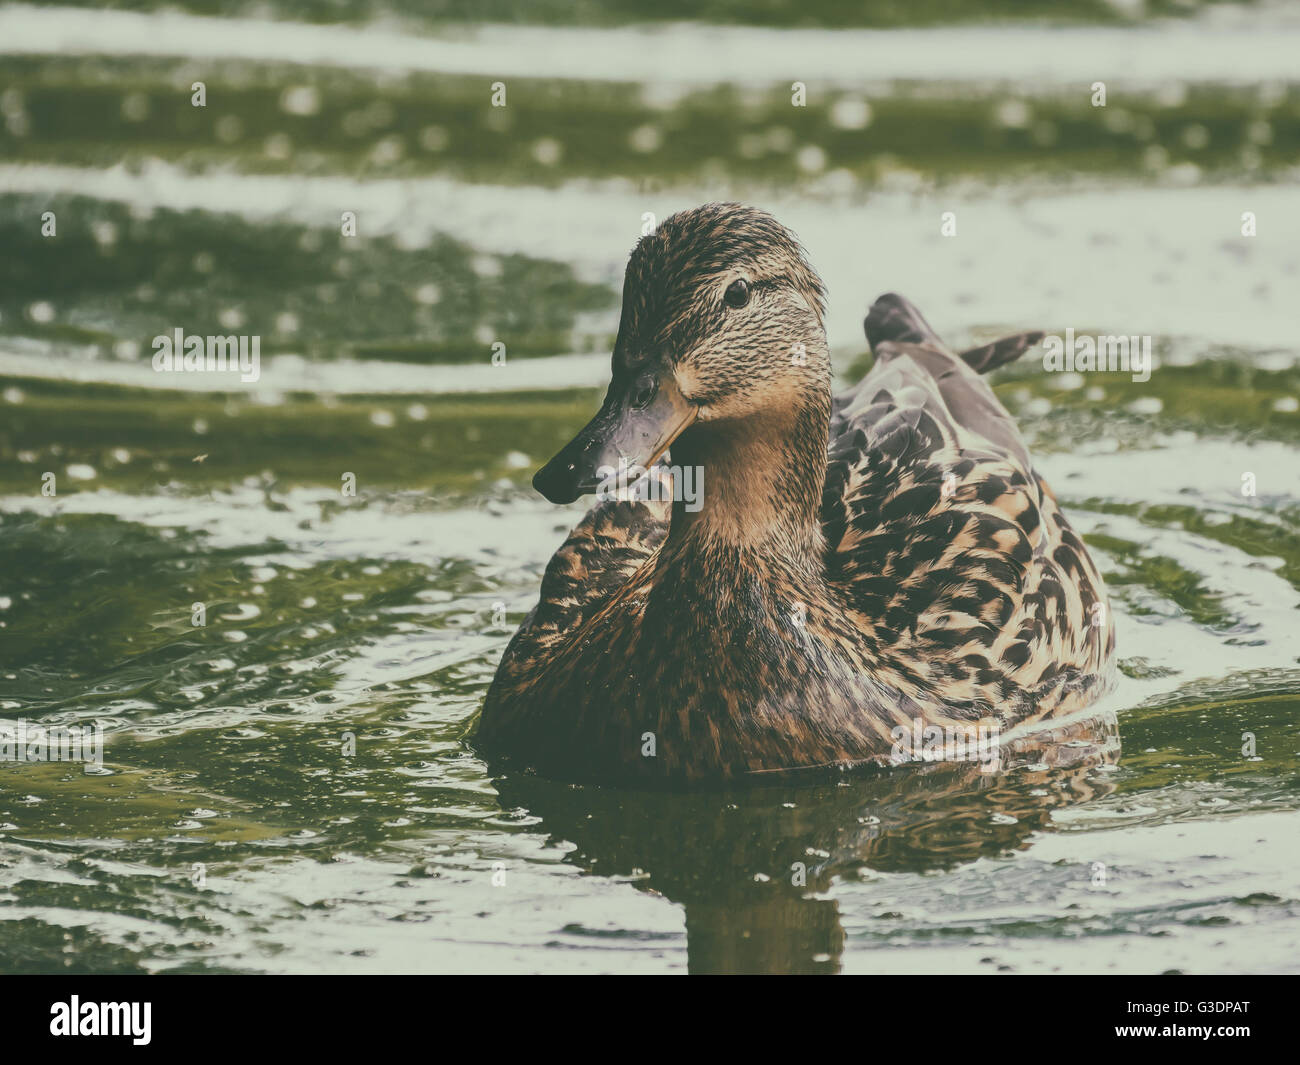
(645,392)
(737,294)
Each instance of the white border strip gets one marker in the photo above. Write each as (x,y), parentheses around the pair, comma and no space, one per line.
(1246,50)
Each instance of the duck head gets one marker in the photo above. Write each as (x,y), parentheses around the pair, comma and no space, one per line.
(721,327)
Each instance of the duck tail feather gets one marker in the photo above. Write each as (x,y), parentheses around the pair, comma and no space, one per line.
(894,318)
(1000,352)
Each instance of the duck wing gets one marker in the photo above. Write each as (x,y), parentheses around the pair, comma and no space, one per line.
(910,354)
(600,555)
(967,578)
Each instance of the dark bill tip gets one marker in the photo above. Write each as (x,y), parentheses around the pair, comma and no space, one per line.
(558,480)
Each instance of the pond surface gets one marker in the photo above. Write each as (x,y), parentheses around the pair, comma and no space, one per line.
(288,786)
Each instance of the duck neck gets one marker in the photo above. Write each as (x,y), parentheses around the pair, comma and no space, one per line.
(761,489)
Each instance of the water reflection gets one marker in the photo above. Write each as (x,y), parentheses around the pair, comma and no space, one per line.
(753,868)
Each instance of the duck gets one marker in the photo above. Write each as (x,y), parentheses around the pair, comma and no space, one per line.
(856,571)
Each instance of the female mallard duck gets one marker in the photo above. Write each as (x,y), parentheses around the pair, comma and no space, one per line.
(810,608)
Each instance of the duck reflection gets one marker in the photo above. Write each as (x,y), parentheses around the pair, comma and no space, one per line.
(752,867)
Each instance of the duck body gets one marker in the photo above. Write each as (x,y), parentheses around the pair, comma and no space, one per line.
(863,567)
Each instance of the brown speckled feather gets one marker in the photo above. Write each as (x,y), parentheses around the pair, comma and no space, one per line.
(951,548)
(598,558)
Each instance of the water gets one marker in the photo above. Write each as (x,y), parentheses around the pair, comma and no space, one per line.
(291,786)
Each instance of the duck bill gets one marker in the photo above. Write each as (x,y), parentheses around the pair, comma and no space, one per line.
(621,441)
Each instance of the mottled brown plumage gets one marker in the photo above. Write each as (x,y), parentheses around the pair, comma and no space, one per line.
(919,568)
